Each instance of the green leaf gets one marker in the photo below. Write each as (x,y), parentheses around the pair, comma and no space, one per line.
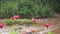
(12,32)
(49,32)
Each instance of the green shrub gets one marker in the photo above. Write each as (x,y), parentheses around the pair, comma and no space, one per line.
(25,8)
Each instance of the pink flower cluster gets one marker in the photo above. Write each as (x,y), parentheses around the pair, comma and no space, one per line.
(15,17)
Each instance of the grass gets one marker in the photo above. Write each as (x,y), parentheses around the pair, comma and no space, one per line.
(20,22)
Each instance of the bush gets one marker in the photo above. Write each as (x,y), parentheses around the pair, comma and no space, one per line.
(25,8)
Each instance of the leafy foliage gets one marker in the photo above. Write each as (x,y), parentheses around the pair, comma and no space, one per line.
(27,8)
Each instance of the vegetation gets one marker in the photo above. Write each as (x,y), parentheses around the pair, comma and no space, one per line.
(28,8)
(19,22)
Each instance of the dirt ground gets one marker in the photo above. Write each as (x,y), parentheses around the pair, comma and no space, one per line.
(53,21)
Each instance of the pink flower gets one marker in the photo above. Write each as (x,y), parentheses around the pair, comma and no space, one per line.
(32,30)
(33,20)
(16,16)
(47,24)
(1,25)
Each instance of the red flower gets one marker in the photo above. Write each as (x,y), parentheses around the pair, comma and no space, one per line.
(23,33)
(47,24)
(33,20)
(1,25)
(32,30)
(16,16)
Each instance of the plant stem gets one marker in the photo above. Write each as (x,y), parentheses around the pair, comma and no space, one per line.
(32,32)
(3,31)
(47,30)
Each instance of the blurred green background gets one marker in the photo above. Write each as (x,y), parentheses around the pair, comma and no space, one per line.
(29,8)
